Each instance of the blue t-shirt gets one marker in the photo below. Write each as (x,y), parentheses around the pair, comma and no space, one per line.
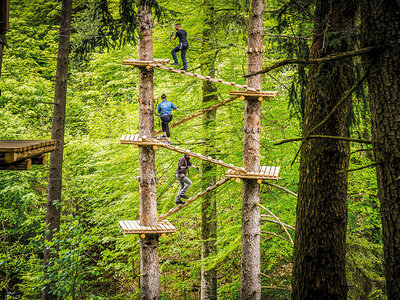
(165,108)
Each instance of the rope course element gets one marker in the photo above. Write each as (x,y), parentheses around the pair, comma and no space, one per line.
(190,200)
(144,140)
(199,113)
(159,63)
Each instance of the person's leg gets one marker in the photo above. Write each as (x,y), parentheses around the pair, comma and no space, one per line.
(164,126)
(187,185)
(167,119)
(183,55)
(181,186)
(173,52)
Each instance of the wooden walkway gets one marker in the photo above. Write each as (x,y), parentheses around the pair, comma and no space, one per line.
(134,227)
(190,200)
(264,173)
(136,140)
(12,152)
(203,111)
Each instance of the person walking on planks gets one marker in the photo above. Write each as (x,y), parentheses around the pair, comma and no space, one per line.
(182,46)
(165,110)
(184,181)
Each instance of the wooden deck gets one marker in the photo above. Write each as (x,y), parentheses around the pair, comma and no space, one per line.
(265,173)
(18,150)
(260,95)
(146,141)
(134,227)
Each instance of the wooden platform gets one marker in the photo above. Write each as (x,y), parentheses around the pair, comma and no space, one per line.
(261,95)
(134,227)
(265,173)
(18,150)
(145,63)
(136,140)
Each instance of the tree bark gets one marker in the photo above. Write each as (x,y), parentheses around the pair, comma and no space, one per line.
(149,268)
(209,205)
(250,287)
(380,27)
(53,212)
(321,215)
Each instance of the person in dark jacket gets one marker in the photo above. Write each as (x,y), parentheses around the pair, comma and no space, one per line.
(184,181)
(165,110)
(182,46)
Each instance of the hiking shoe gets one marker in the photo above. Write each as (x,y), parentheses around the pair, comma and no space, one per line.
(180,202)
(175,64)
(184,197)
(184,69)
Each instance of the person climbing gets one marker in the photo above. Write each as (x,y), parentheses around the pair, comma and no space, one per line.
(184,181)
(182,46)
(165,111)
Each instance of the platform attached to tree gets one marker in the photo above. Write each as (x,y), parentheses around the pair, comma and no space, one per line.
(264,173)
(18,150)
(134,227)
(146,141)
(261,95)
(145,63)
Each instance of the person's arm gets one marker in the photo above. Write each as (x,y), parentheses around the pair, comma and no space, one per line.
(197,168)
(173,106)
(174,36)
(159,108)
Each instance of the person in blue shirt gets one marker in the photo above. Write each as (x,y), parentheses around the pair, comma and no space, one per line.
(165,110)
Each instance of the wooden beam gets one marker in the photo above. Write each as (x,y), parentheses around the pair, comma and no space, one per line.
(39,160)
(21,165)
(21,155)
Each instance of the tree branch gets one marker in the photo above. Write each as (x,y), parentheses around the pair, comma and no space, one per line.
(281,187)
(264,218)
(312,60)
(364,167)
(280,222)
(325,137)
(274,234)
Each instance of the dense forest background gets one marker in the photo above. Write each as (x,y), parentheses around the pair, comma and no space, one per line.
(96,261)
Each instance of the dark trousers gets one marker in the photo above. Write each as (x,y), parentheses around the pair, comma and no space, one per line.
(183,48)
(165,119)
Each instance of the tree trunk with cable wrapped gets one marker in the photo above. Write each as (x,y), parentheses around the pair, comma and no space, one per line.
(149,265)
(250,287)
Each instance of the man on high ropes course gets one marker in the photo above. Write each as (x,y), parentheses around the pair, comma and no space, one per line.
(165,110)
(182,46)
(184,181)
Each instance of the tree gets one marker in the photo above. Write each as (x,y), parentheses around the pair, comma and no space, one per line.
(149,281)
(321,214)
(380,27)
(53,212)
(251,225)
(209,205)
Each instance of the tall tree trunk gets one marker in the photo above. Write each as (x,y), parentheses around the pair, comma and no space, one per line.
(209,205)
(380,27)
(321,216)
(56,157)
(250,287)
(149,270)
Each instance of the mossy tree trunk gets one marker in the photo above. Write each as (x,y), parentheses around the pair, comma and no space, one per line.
(209,205)
(321,215)
(380,27)
(53,212)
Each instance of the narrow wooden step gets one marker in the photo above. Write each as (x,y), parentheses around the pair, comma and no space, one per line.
(134,227)
(137,140)
(264,173)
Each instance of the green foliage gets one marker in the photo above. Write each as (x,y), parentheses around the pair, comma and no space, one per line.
(100,185)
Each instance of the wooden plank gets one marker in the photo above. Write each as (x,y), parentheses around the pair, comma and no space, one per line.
(276,174)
